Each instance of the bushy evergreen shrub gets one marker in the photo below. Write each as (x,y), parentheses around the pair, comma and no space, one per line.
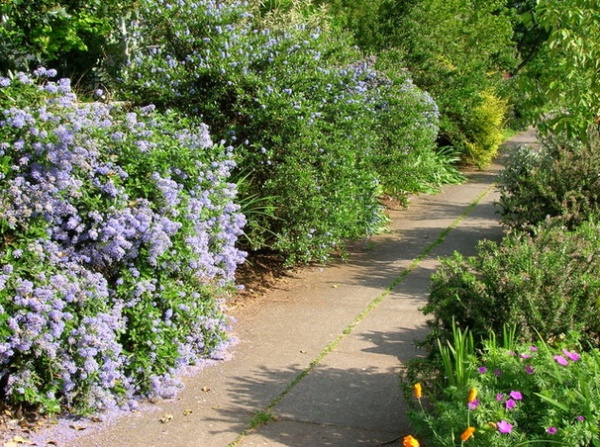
(456,50)
(117,241)
(559,181)
(406,159)
(84,40)
(301,106)
(485,132)
(546,284)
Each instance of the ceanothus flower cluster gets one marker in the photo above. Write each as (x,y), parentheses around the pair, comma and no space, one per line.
(117,237)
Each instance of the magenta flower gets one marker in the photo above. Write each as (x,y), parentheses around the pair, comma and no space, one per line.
(529,369)
(510,404)
(580,418)
(482,370)
(532,348)
(551,430)
(571,354)
(504,427)
(561,360)
(516,395)
(499,397)
(473,404)
(525,356)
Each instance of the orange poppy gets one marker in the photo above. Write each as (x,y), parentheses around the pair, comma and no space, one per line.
(467,433)
(417,390)
(409,441)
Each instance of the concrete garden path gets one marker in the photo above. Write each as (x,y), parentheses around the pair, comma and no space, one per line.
(322,350)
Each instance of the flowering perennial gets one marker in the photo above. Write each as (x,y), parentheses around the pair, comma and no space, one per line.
(467,434)
(552,404)
(117,233)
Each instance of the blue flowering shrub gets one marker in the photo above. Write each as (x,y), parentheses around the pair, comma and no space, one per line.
(301,106)
(117,240)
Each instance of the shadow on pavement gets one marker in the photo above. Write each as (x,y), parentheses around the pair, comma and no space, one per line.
(334,404)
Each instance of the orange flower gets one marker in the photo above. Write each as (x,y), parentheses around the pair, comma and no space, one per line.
(472,395)
(467,433)
(409,441)
(417,390)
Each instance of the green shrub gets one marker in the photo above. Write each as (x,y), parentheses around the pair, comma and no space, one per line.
(524,394)
(283,14)
(547,284)
(308,117)
(361,18)
(299,115)
(406,158)
(485,130)
(456,50)
(84,40)
(560,181)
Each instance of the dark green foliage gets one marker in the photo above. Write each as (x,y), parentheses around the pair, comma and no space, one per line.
(319,132)
(547,284)
(560,181)
(81,39)
(361,18)
(458,51)
(293,106)
(405,158)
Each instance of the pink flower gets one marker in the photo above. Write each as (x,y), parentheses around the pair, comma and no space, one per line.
(516,395)
(525,356)
(482,370)
(561,360)
(551,430)
(571,354)
(499,397)
(473,404)
(510,404)
(504,427)
(529,369)
(532,348)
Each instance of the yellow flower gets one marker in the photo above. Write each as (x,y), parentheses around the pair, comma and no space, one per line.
(472,395)
(493,425)
(417,390)
(467,433)
(409,441)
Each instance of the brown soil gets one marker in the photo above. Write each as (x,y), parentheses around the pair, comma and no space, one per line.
(263,270)
(257,275)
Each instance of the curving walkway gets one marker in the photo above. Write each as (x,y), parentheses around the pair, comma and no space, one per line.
(321,351)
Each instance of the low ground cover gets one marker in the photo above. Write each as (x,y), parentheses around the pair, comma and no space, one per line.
(512,394)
